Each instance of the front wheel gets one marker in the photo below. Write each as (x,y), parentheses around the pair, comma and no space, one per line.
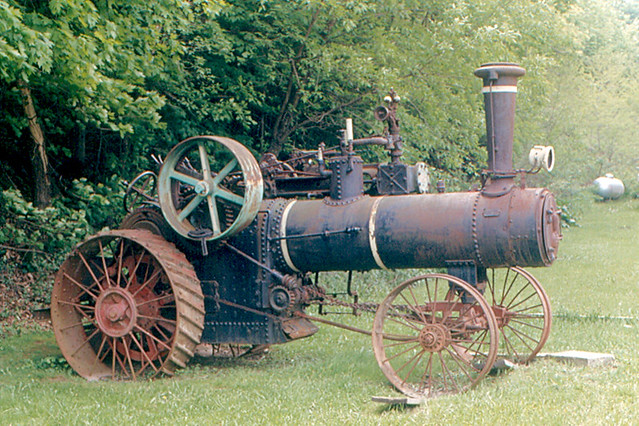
(434,334)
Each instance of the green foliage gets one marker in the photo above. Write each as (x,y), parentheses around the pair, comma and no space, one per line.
(52,230)
(34,242)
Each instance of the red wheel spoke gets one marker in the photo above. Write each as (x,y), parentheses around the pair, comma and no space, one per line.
(428,373)
(158,299)
(133,274)
(128,355)
(399,342)
(96,331)
(98,357)
(81,286)
(152,337)
(170,321)
(416,307)
(104,265)
(159,330)
(521,336)
(153,279)
(90,270)
(116,357)
(404,323)
(120,254)
(461,362)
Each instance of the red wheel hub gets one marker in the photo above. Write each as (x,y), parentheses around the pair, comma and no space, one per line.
(116,312)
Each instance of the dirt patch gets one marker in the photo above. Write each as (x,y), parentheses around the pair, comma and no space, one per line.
(21,295)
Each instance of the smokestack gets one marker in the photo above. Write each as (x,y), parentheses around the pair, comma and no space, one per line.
(500,92)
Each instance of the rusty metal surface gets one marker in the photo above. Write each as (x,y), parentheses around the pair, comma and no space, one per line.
(517,228)
(500,90)
(126,304)
(429,341)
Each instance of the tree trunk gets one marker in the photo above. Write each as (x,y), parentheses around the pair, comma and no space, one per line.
(39,158)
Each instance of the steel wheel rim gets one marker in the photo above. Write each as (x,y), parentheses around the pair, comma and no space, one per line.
(439,346)
(116,311)
(209,197)
(523,313)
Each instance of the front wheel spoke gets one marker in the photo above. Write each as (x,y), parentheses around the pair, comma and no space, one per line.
(461,362)
(417,358)
(402,352)
(520,335)
(508,345)
(400,342)
(522,313)
(512,307)
(428,374)
(527,324)
(410,305)
(405,323)
(447,372)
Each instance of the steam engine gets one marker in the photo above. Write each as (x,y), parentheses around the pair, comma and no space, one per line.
(220,249)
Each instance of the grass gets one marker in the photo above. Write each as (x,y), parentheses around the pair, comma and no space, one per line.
(331,377)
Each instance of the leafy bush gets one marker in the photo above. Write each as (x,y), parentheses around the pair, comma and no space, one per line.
(34,242)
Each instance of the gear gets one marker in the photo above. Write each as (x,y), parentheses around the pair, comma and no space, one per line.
(281,298)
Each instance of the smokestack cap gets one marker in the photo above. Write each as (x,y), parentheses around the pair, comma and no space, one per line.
(499,70)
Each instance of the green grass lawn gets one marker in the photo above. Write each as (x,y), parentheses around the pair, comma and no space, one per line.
(331,377)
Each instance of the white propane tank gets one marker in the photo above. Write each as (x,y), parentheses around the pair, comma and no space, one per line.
(609,187)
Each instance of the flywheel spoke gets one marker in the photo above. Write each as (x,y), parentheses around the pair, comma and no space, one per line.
(225,172)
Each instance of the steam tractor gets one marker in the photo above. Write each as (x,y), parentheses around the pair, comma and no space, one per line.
(220,249)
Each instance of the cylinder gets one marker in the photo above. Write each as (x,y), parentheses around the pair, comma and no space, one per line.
(500,92)
(520,227)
